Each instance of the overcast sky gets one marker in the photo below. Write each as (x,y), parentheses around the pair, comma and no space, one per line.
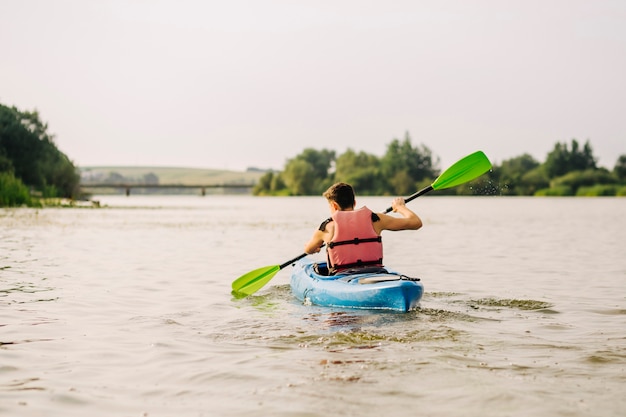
(230,84)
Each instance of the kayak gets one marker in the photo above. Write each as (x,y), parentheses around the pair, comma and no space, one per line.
(372,289)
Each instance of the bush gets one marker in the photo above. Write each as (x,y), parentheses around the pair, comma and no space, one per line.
(13,192)
(588,178)
(597,191)
(558,191)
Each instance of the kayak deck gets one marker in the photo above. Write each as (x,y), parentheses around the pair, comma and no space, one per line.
(371,290)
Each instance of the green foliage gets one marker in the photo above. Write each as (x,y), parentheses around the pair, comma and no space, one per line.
(271,183)
(13,192)
(28,151)
(398,172)
(586,178)
(264,184)
(361,170)
(307,173)
(620,168)
(533,180)
(404,168)
(563,160)
(321,161)
(299,176)
(597,191)
(558,191)
(6,165)
(404,165)
(402,183)
(521,175)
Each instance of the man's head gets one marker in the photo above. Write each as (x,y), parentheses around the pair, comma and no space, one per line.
(342,194)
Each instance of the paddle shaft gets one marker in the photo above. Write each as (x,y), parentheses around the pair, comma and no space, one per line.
(294,260)
(413,197)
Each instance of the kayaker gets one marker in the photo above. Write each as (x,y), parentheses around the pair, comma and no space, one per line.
(352,236)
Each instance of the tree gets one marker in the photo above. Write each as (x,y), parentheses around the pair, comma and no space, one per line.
(277,184)
(402,183)
(620,168)
(320,161)
(511,174)
(586,178)
(533,181)
(5,164)
(270,183)
(361,170)
(299,176)
(151,178)
(405,166)
(562,160)
(116,178)
(263,186)
(308,173)
(28,150)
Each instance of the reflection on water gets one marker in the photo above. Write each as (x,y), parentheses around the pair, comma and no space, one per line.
(24,292)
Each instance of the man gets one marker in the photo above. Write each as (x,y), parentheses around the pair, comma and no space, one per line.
(353,236)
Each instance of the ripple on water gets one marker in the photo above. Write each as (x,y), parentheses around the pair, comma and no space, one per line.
(338,329)
(22,385)
(508,303)
(25,292)
(616,355)
(611,311)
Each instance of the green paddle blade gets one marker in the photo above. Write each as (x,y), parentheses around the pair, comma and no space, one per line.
(253,281)
(464,170)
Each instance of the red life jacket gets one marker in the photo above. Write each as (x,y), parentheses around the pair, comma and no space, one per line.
(355,242)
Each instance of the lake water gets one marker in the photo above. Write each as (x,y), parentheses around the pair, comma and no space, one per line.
(126,311)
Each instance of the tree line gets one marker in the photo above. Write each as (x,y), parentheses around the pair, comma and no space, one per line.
(30,163)
(32,166)
(568,170)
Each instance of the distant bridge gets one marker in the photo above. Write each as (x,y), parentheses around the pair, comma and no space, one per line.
(202,187)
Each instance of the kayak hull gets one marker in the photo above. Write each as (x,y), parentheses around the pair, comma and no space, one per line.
(388,291)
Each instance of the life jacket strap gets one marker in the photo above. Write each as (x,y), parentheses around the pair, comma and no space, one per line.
(355,241)
(357,264)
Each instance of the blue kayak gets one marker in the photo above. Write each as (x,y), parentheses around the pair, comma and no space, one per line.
(370,290)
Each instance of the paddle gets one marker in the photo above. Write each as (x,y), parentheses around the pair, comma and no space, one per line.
(462,171)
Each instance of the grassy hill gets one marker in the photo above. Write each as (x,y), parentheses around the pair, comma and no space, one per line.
(168,175)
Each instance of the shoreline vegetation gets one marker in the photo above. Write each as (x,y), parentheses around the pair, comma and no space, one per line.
(568,170)
(34,173)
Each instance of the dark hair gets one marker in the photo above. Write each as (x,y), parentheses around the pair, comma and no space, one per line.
(342,194)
